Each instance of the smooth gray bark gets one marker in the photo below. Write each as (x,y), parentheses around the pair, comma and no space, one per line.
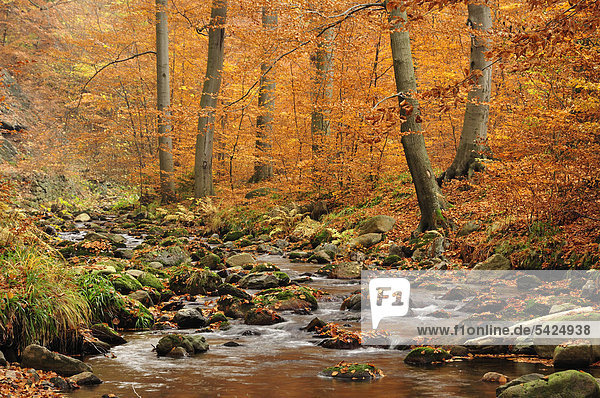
(473,138)
(163,103)
(428,193)
(203,176)
(323,88)
(263,169)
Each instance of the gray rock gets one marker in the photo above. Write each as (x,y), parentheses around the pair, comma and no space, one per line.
(468,228)
(573,356)
(143,297)
(544,351)
(366,240)
(239,260)
(495,262)
(259,280)
(169,257)
(83,217)
(155,265)
(346,270)
(527,282)
(40,358)
(105,333)
(189,318)
(320,257)
(3,361)
(85,379)
(177,352)
(377,224)
(136,273)
(228,289)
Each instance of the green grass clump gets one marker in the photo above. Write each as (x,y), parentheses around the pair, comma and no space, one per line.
(39,302)
(103,299)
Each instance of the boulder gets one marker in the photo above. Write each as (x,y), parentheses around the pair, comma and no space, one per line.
(227,288)
(240,260)
(428,245)
(40,358)
(569,383)
(150,280)
(190,318)
(85,379)
(126,284)
(187,280)
(468,228)
(378,224)
(3,361)
(346,270)
(259,281)
(495,262)
(105,333)
(520,380)
(494,377)
(573,356)
(169,257)
(352,303)
(427,356)
(192,344)
(262,316)
(353,372)
(83,217)
(314,324)
(211,261)
(143,297)
(366,240)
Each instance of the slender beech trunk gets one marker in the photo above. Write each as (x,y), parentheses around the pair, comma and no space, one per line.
(163,103)
(323,89)
(263,169)
(473,138)
(203,177)
(428,193)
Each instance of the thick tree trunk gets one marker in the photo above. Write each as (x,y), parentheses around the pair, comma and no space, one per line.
(203,177)
(323,89)
(473,138)
(163,102)
(428,193)
(263,169)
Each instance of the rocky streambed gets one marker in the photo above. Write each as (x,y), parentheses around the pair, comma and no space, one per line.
(251,298)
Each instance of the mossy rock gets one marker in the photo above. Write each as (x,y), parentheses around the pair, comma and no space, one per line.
(570,383)
(244,242)
(262,316)
(189,280)
(234,307)
(283,278)
(211,261)
(105,333)
(323,236)
(233,236)
(353,371)
(391,260)
(148,279)
(288,298)
(191,344)
(176,232)
(427,356)
(217,317)
(126,284)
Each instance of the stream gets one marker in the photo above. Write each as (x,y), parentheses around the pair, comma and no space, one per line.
(282,360)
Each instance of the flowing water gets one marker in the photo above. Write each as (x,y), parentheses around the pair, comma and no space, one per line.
(283,360)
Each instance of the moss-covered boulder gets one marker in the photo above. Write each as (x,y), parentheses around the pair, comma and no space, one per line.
(353,371)
(495,263)
(192,344)
(570,383)
(190,280)
(259,281)
(169,257)
(234,307)
(105,333)
(228,289)
(233,235)
(150,280)
(264,267)
(323,236)
(286,298)
(573,356)
(427,356)
(262,316)
(125,283)
(211,261)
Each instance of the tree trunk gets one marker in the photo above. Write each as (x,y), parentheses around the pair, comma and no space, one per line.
(323,89)
(428,193)
(263,169)
(203,178)
(473,138)
(163,103)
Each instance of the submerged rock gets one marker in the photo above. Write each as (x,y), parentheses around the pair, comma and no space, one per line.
(353,371)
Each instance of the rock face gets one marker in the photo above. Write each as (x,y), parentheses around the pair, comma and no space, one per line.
(427,356)
(38,357)
(495,262)
(576,356)
(378,224)
(570,383)
(192,344)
